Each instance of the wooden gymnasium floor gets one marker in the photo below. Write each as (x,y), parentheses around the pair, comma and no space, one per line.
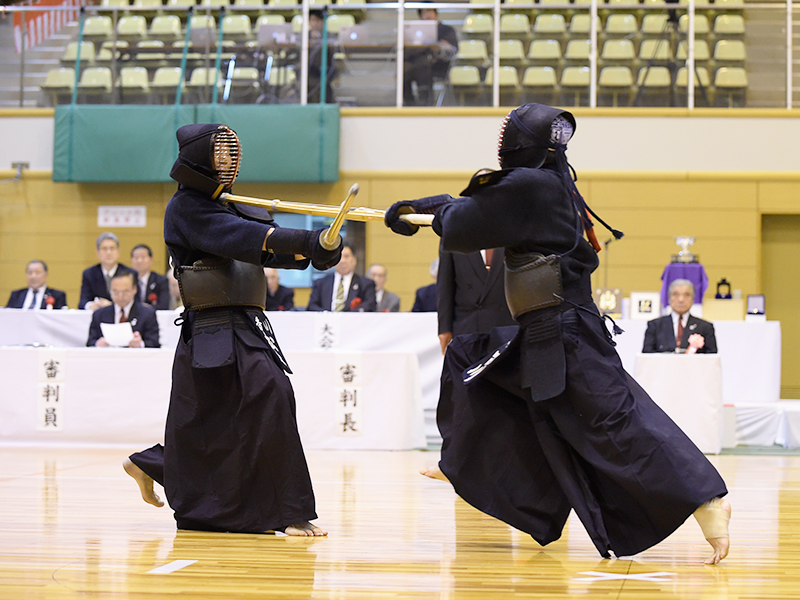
(72,525)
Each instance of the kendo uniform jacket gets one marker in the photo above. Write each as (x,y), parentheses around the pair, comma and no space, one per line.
(93,283)
(541,418)
(469,297)
(283,299)
(156,291)
(359,298)
(232,459)
(660,335)
(17,298)
(142,318)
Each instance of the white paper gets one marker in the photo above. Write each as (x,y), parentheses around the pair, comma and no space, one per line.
(119,334)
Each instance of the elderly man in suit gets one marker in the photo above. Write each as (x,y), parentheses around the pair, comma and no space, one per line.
(470,294)
(278,296)
(344,290)
(680,331)
(37,295)
(97,278)
(425,296)
(124,309)
(386,300)
(153,287)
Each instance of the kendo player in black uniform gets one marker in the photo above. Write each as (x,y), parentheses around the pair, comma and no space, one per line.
(541,418)
(232,459)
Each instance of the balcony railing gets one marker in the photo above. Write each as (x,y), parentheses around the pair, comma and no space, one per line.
(725,53)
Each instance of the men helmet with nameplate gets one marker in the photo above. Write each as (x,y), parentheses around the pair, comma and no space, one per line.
(209,156)
(530,132)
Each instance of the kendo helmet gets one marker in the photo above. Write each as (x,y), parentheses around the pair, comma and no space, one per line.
(529,133)
(209,156)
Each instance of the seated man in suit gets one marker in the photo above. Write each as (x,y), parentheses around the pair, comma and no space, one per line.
(343,290)
(425,297)
(680,331)
(142,317)
(97,278)
(153,287)
(278,296)
(37,295)
(386,300)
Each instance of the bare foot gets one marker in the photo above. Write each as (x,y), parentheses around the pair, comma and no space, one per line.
(304,529)
(713,518)
(145,483)
(434,473)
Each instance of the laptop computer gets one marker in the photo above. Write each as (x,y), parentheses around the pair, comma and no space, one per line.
(272,34)
(420,33)
(356,35)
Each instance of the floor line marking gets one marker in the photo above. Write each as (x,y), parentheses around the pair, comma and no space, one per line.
(171,567)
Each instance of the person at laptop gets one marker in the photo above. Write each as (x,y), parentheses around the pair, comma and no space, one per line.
(422,65)
(316,20)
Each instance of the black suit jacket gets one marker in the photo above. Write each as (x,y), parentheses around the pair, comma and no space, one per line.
(425,299)
(360,287)
(660,335)
(17,297)
(93,284)
(282,300)
(142,319)
(156,285)
(470,297)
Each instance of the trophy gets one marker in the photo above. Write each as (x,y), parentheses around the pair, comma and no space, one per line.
(685,255)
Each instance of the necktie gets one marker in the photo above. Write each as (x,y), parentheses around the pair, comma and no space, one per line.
(680,332)
(108,281)
(489,254)
(122,318)
(339,297)
(32,305)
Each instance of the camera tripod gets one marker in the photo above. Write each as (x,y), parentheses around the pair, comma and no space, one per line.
(670,35)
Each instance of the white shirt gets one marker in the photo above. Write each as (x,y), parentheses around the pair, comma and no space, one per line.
(378,296)
(38,294)
(345,279)
(684,318)
(118,312)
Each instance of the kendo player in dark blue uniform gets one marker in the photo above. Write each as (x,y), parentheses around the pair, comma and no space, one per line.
(232,459)
(541,418)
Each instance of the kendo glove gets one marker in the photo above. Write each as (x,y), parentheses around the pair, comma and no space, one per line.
(321,258)
(283,240)
(423,206)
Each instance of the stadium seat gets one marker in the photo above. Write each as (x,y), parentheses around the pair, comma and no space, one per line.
(701,26)
(98,28)
(619,24)
(576,80)
(166,81)
(617,80)
(58,84)
(337,21)
(580,25)
(95,81)
(166,28)
(732,81)
(578,50)
(654,24)
(540,83)
(549,24)
(465,81)
(655,50)
(71,54)
(133,82)
(236,27)
(511,52)
(617,50)
(729,25)
(132,28)
(701,51)
(730,51)
(477,26)
(472,52)
(508,80)
(548,51)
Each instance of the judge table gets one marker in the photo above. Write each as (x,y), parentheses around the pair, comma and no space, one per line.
(357,379)
(749,353)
